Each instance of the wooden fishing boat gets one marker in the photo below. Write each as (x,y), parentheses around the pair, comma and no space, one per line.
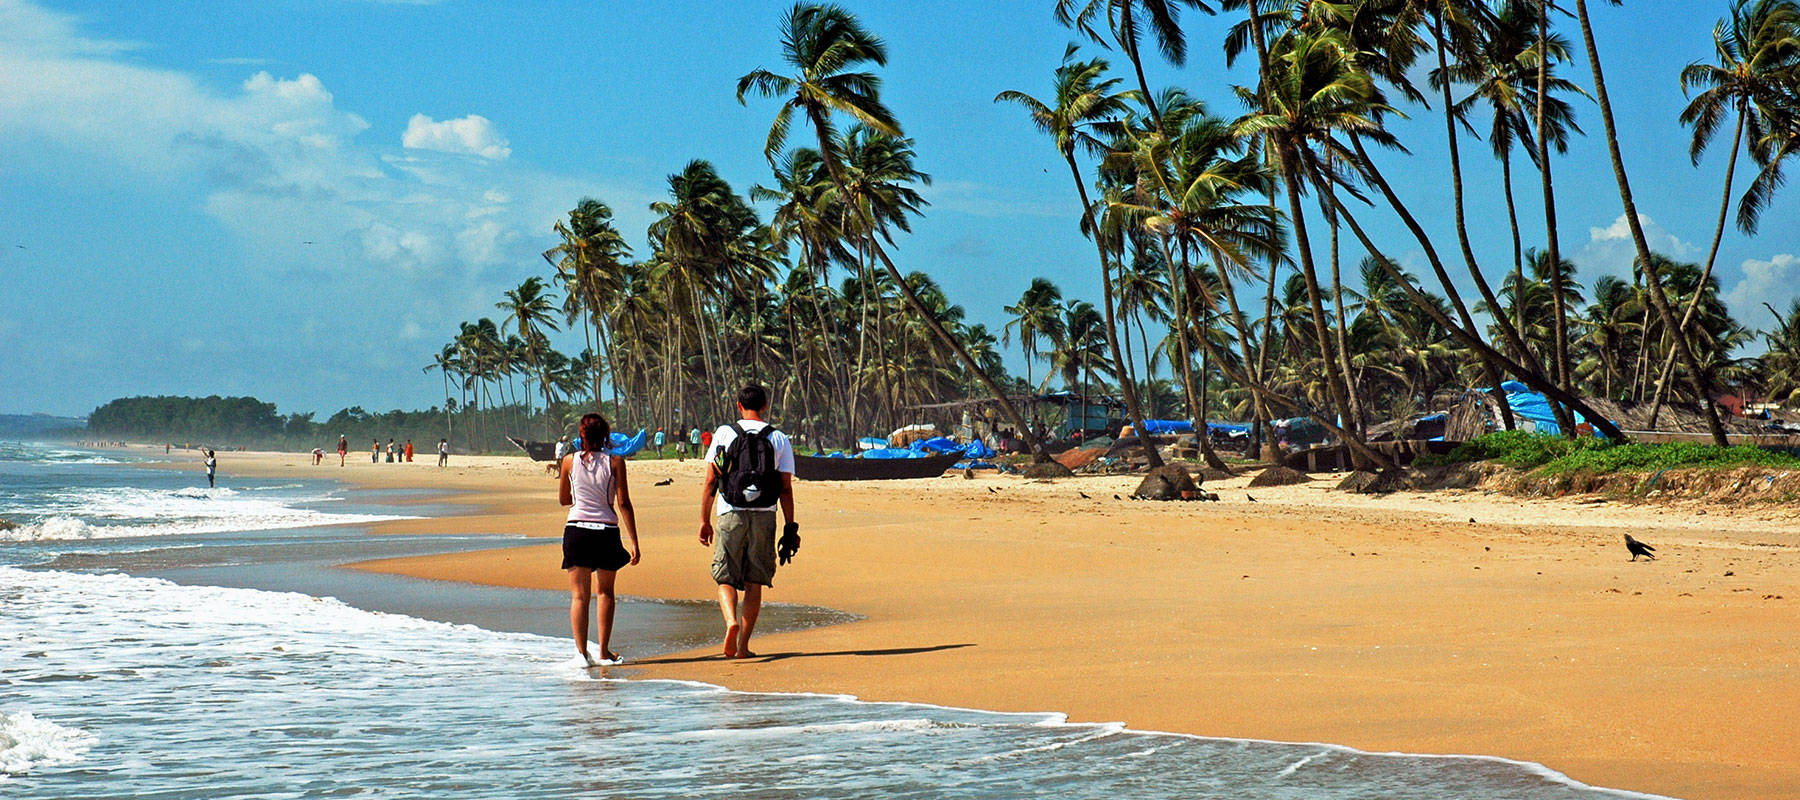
(815,468)
(539,451)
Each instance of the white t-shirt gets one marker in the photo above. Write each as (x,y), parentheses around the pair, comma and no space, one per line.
(784,454)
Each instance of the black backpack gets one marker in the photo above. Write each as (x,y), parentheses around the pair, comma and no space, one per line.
(748,468)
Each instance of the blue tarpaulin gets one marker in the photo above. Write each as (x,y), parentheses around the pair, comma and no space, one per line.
(945,444)
(622,446)
(1534,408)
(1159,427)
(893,452)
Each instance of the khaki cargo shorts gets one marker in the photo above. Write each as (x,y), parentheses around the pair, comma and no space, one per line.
(744,548)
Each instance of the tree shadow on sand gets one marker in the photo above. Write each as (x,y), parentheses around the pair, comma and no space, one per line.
(764,658)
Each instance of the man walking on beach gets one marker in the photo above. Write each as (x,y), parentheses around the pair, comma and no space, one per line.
(443,452)
(750,469)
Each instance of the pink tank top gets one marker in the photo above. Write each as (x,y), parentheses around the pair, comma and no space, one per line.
(591,485)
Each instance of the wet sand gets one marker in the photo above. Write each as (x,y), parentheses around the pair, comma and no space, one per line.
(1455,622)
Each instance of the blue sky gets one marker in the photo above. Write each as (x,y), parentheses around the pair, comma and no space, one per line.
(300,199)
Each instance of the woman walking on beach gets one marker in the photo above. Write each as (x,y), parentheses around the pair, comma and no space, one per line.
(594,488)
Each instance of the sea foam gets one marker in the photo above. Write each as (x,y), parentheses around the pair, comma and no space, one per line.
(28,743)
(115,512)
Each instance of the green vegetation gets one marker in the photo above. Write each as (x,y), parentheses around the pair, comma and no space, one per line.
(1551,455)
(229,422)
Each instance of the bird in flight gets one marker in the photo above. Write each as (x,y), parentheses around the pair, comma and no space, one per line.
(1638,548)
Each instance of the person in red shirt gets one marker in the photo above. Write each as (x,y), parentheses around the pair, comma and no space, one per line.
(705,441)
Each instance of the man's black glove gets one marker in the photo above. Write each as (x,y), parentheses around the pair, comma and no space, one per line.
(789,544)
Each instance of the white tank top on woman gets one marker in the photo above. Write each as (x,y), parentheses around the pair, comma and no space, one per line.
(591,487)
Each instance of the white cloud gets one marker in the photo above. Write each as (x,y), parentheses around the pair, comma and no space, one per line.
(1610,251)
(1770,281)
(471,135)
(277,147)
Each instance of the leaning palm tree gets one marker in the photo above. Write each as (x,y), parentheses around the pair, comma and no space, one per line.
(1658,298)
(824,44)
(1759,57)
(1084,97)
(1503,72)
(1314,90)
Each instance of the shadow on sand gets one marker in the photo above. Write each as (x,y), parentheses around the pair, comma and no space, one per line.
(764,658)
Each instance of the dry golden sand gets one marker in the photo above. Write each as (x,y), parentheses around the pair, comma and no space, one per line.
(1442,623)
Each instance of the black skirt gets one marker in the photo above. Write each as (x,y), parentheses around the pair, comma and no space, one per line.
(594,548)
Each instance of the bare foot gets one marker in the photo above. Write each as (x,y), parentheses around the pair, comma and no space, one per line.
(745,654)
(731,645)
(587,659)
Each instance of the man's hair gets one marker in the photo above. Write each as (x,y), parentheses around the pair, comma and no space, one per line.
(753,397)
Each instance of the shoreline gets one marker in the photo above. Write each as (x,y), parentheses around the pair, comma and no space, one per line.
(1520,636)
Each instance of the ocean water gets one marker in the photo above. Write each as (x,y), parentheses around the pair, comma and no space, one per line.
(120,685)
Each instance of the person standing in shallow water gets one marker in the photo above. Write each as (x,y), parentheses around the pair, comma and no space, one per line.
(744,553)
(593,486)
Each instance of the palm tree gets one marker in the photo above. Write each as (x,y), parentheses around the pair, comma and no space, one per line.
(1504,71)
(588,262)
(531,311)
(1658,298)
(1034,316)
(823,43)
(1125,20)
(1759,56)
(1314,89)
(1084,98)
(1779,366)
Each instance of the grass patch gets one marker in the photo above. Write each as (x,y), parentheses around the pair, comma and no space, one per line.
(1554,455)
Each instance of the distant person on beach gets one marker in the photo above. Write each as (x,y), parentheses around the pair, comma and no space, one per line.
(443,452)
(212,467)
(694,441)
(659,440)
(374,451)
(390,451)
(318,456)
(750,469)
(409,451)
(343,449)
(593,486)
(562,448)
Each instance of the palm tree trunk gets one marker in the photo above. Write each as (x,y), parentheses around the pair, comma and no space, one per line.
(1712,255)
(1179,306)
(1133,408)
(1488,367)
(1696,379)
(1512,219)
(1507,331)
(1553,243)
(1355,422)
(1423,302)
(1303,245)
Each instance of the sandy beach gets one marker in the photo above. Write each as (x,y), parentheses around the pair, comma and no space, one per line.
(1455,622)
